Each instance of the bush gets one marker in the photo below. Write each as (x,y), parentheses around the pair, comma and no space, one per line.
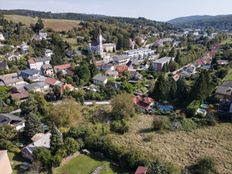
(161,123)
(205,165)
(44,156)
(192,108)
(57,159)
(188,124)
(159,167)
(8,145)
(71,146)
(120,126)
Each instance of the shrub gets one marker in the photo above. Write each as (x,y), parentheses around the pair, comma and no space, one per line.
(188,124)
(71,146)
(160,167)
(161,123)
(8,145)
(206,165)
(192,108)
(120,126)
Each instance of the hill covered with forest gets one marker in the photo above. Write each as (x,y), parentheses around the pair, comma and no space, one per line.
(222,22)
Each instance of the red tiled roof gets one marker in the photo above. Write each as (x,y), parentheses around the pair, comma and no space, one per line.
(20,96)
(62,67)
(121,68)
(31,61)
(141,170)
(142,102)
(50,81)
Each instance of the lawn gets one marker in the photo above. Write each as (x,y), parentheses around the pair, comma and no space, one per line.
(83,164)
(229,76)
(55,24)
(180,147)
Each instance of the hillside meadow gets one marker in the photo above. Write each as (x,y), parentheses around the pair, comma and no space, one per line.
(55,24)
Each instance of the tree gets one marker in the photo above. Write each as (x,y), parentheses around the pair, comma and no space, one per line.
(44,156)
(160,90)
(71,146)
(39,25)
(122,106)
(178,57)
(83,73)
(172,88)
(56,138)
(201,87)
(7,132)
(182,91)
(65,114)
(30,105)
(32,126)
(159,167)
(172,53)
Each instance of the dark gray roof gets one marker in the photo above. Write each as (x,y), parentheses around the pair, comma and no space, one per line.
(100,77)
(7,118)
(36,85)
(225,88)
(29,72)
(3,64)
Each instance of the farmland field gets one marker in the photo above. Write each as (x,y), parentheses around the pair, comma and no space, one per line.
(55,24)
(180,148)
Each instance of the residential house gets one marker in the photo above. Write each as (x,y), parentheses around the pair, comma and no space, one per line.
(188,71)
(225,90)
(48,53)
(29,73)
(10,119)
(47,70)
(5,165)
(3,65)
(144,104)
(12,79)
(40,36)
(222,62)
(62,68)
(37,87)
(141,170)
(66,87)
(121,59)
(121,69)
(70,53)
(100,80)
(37,63)
(39,140)
(24,47)
(13,56)
(157,65)
(20,96)
(112,73)
(53,82)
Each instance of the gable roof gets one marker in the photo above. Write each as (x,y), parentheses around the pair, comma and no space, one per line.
(62,67)
(10,119)
(141,170)
(5,166)
(143,102)
(100,77)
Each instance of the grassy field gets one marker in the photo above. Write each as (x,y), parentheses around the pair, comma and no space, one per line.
(181,148)
(83,164)
(55,24)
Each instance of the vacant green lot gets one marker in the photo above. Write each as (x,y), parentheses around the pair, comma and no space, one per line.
(229,76)
(83,164)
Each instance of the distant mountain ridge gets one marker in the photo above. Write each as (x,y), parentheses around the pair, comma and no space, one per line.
(89,17)
(223,22)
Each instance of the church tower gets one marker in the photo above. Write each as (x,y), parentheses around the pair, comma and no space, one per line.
(100,42)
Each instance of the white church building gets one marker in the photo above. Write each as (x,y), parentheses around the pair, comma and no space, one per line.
(100,48)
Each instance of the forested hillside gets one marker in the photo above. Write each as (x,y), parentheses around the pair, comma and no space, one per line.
(223,22)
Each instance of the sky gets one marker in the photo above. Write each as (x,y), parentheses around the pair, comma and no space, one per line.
(161,10)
